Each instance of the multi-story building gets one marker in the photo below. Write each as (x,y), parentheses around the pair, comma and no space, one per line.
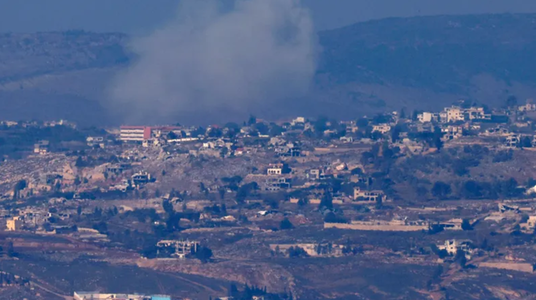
(383,128)
(41,147)
(176,248)
(366,195)
(454,114)
(135,133)
(275,169)
(276,184)
(102,296)
(453,246)
(144,133)
(427,117)
(141,178)
(452,132)
(14,224)
(512,140)
(477,113)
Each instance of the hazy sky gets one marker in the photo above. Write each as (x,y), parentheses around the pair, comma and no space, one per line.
(139,16)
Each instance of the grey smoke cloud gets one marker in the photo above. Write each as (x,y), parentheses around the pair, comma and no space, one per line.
(211,60)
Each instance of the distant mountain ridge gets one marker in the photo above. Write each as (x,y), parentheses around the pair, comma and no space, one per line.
(442,52)
(419,62)
(28,55)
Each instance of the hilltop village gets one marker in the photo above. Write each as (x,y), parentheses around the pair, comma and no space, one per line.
(257,206)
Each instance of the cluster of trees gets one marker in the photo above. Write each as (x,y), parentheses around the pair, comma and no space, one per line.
(143,215)
(296,252)
(204,254)
(458,161)
(101,227)
(321,124)
(331,217)
(381,157)
(232,183)
(20,139)
(249,292)
(432,139)
(348,249)
(172,219)
(245,190)
(19,186)
(472,189)
(8,279)
(216,209)
(285,224)
(231,130)
(503,156)
(8,250)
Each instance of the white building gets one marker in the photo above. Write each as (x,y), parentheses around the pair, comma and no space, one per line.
(454,114)
(529,225)
(41,147)
(14,224)
(366,195)
(298,120)
(477,113)
(427,117)
(383,128)
(274,171)
(452,247)
(527,107)
(452,132)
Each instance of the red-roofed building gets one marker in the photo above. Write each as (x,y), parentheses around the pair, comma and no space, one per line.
(144,133)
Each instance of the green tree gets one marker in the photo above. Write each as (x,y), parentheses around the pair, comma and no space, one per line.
(466,225)
(11,250)
(438,134)
(460,258)
(333,218)
(204,254)
(224,152)
(402,113)
(252,120)
(435,228)
(525,142)
(79,162)
(379,202)
(102,227)
(511,101)
(441,190)
(19,186)
(168,207)
(285,224)
(326,201)
(297,252)
(395,133)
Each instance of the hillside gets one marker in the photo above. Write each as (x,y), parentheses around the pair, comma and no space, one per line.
(423,62)
(30,55)
(441,52)
(57,74)
(478,57)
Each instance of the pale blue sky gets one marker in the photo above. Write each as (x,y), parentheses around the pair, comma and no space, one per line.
(139,16)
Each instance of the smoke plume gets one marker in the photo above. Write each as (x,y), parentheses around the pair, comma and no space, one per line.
(211,61)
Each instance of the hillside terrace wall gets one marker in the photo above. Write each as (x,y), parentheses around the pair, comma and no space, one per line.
(513,266)
(376,227)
